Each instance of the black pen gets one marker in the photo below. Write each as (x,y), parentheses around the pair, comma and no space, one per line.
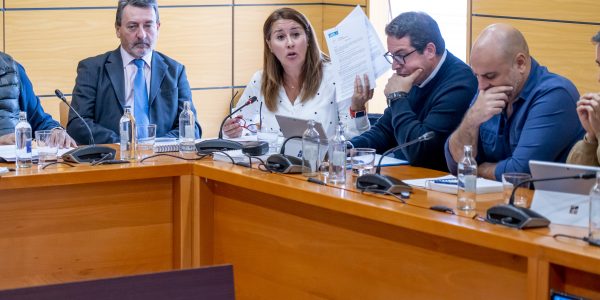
(317,181)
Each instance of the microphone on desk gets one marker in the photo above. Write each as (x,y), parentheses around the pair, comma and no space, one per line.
(88,153)
(384,183)
(220,144)
(522,217)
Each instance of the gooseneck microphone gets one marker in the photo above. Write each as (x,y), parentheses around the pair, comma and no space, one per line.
(522,217)
(220,144)
(91,152)
(388,184)
(426,136)
(61,96)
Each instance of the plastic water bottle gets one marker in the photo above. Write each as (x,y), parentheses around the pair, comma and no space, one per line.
(23,142)
(467,181)
(187,132)
(594,225)
(337,158)
(310,150)
(127,133)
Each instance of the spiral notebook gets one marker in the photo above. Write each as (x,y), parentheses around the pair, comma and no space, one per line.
(162,145)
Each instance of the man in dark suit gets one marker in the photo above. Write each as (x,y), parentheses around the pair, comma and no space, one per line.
(152,84)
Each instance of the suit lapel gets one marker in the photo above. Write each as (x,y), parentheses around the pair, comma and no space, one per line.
(114,68)
(159,68)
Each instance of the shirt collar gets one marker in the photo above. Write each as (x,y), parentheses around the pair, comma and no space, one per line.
(532,81)
(127,58)
(435,71)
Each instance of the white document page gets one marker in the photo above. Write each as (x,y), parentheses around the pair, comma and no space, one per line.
(351,44)
(350,54)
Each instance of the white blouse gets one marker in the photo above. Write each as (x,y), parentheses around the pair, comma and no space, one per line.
(322,107)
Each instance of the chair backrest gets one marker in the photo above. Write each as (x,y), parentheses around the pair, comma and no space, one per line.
(63,110)
(203,283)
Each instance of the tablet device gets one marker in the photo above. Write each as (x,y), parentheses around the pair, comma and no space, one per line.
(291,126)
(563,201)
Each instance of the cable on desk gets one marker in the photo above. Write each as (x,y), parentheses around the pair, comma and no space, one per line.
(57,163)
(378,191)
(102,159)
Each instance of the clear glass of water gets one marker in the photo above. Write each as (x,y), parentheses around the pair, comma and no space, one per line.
(362,160)
(47,149)
(146,137)
(269,136)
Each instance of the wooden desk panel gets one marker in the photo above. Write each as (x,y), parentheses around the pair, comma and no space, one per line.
(286,237)
(282,249)
(82,223)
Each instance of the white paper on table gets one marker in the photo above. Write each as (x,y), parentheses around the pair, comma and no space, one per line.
(9,152)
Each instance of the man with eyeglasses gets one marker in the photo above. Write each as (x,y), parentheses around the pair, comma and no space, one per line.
(430,91)
(151,83)
(522,111)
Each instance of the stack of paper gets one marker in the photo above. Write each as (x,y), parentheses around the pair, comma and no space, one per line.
(449,184)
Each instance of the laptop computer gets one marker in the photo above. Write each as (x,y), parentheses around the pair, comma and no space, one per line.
(562,201)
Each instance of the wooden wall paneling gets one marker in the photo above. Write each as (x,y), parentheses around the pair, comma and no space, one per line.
(350,2)
(211,107)
(564,48)
(51,46)
(85,231)
(275,2)
(101,3)
(57,3)
(573,10)
(201,39)
(248,36)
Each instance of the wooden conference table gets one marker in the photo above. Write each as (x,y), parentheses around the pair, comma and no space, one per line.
(286,238)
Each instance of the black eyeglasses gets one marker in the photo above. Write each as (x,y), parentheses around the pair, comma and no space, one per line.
(401,59)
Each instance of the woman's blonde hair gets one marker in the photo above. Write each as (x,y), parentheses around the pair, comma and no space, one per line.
(312,70)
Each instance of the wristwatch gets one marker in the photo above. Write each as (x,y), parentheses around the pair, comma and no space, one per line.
(393,96)
(357,113)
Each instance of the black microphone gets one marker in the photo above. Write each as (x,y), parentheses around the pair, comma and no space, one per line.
(220,144)
(89,153)
(384,183)
(522,217)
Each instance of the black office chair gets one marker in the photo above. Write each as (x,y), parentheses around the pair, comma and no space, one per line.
(203,283)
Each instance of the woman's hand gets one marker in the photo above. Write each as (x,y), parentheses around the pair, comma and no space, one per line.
(362,94)
(232,127)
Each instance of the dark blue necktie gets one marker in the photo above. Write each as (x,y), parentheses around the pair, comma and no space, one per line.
(140,94)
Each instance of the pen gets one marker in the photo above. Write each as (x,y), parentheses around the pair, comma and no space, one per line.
(449,182)
(317,181)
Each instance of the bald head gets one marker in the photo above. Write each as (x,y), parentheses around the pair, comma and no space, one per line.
(501,41)
(500,57)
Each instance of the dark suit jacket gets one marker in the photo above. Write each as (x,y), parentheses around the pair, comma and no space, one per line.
(99,96)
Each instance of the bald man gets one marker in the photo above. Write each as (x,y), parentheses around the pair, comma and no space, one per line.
(521,112)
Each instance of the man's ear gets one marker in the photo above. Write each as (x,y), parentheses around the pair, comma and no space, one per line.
(521,62)
(117,31)
(430,50)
